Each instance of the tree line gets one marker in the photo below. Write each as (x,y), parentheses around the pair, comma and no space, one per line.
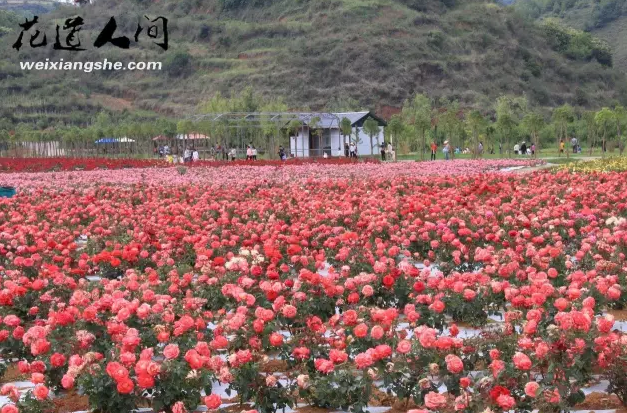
(511,120)
(421,120)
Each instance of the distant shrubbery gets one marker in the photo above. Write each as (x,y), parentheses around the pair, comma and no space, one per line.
(602,13)
(577,44)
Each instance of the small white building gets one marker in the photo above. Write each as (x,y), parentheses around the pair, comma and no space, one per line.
(326,137)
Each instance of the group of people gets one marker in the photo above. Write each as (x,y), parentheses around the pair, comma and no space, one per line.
(350,150)
(574,143)
(251,153)
(387,152)
(189,155)
(523,149)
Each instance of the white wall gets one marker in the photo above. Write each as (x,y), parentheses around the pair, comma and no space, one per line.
(363,148)
(337,142)
(43,148)
(299,146)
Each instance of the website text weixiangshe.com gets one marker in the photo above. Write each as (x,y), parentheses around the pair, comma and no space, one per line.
(87,67)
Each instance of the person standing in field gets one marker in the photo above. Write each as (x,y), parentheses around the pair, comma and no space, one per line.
(383,151)
(573,143)
(562,145)
(195,155)
(346,149)
(254,153)
(434,150)
(353,150)
(446,150)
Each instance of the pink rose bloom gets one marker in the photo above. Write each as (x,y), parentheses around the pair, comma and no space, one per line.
(67,382)
(506,402)
(531,389)
(302,380)
(542,349)
(454,364)
(270,381)
(37,378)
(522,361)
(40,392)
(323,365)
(9,408)
(437,306)
(171,351)
(404,346)
(553,396)
(178,407)
(497,366)
(363,360)
(469,294)
(435,401)
(289,311)
(376,332)
(213,401)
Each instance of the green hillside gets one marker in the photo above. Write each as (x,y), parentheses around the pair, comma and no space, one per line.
(606,19)
(312,53)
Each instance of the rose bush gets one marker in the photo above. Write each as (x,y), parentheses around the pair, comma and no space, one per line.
(316,284)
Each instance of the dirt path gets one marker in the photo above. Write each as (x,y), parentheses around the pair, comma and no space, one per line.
(533,168)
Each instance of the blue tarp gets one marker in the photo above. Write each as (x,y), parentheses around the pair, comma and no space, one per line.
(7,192)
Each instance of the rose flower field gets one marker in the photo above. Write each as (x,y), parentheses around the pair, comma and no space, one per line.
(359,287)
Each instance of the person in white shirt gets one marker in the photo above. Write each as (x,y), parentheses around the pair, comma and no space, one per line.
(249,153)
(195,155)
(325,156)
(187,155)
(233,153)
(254,153)
(353,150)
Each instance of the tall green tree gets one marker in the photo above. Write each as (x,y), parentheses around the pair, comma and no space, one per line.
(346,128)
(452,125)
(621,119)
(604,119)
(395,129)
(533,123)
(371,128)
(417,113)
(562,117)
(477,123)
(506,121)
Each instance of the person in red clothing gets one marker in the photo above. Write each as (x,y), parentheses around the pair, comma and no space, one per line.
(434,150)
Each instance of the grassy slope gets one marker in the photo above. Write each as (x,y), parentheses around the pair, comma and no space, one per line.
(615,33)
(378,52)
(579,16)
